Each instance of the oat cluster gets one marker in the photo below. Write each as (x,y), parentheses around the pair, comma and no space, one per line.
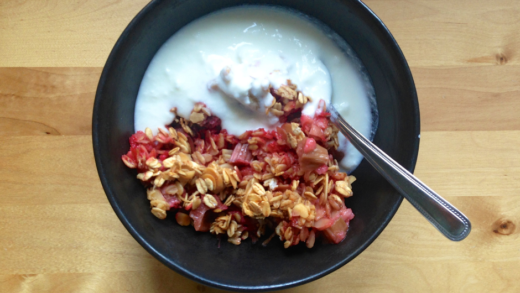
(287,99)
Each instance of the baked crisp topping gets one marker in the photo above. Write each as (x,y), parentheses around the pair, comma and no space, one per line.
(283,180)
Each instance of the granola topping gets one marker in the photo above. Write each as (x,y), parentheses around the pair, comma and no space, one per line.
(283,181)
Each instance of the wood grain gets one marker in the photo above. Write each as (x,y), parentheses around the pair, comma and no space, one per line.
(408,254)
(87,240)
(43,101)
(52,33)
(43,170)
(448,33)
(58,232)
(452,163)
(468,98)
(474,163)
(430,33)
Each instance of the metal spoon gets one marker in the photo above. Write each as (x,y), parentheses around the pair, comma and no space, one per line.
(441,214)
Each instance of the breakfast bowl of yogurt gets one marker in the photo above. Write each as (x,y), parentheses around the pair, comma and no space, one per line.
(214,144)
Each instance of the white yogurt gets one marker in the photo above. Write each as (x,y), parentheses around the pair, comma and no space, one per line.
(228,59)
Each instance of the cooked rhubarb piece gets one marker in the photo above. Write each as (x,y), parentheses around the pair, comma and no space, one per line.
(337,232)
(201,219)
(314,157)
(241,155)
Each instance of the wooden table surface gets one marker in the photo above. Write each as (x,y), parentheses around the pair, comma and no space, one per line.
(58,232)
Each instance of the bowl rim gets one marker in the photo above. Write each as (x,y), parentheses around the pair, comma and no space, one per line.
(178,268)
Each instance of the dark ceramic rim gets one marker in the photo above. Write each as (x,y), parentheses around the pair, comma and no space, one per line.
(179,269)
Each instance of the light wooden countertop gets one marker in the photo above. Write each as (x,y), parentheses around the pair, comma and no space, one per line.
(58,232)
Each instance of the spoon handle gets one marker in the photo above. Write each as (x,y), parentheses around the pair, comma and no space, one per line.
(441,214)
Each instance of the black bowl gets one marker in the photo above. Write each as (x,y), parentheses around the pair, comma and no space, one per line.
(251,267)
